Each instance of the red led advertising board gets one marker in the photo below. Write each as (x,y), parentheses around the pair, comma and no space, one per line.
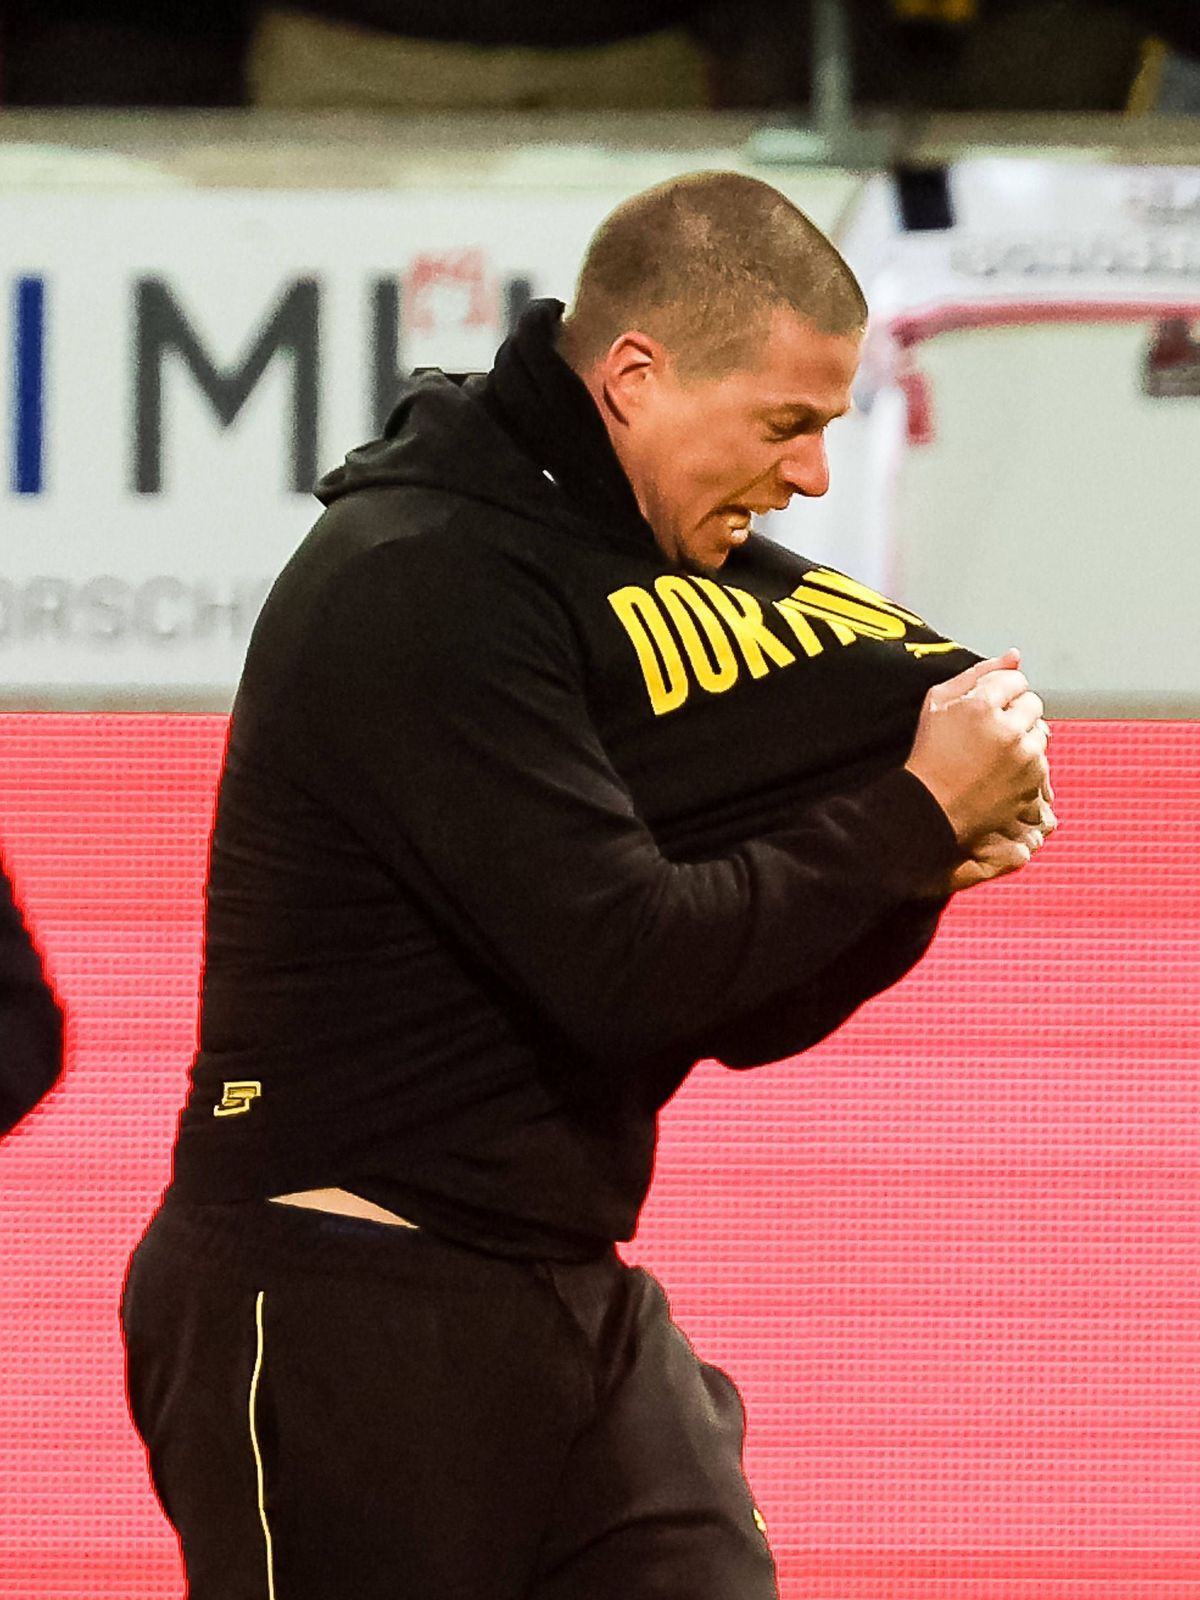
(952,1256)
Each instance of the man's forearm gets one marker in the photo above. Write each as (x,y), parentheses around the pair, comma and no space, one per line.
(800,1018)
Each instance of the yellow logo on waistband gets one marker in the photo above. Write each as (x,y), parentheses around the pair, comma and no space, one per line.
(238,1097)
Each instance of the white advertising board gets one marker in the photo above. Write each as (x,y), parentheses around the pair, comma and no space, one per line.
(179,366)
(1022,464)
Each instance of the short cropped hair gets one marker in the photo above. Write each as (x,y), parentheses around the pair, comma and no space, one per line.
(700,263)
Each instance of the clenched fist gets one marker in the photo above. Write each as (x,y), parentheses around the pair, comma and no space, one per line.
(980,750)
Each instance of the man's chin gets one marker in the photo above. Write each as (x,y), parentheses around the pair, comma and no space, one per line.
(708,554)
(702,569)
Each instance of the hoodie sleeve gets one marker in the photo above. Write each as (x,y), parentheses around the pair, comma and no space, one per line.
(799,1019)
(458,726)
(30,1020)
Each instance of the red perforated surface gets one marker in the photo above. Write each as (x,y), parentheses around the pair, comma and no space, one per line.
(952,1257)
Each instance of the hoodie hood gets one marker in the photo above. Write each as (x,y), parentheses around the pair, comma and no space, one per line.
(444,433)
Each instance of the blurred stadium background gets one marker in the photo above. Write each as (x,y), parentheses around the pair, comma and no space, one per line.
(951,1256)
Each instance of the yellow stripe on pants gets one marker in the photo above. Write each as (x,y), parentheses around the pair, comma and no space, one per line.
(258,1462)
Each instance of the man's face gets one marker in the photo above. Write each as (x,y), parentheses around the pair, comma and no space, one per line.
(705,454)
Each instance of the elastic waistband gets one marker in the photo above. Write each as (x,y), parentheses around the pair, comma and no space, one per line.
(258,1241)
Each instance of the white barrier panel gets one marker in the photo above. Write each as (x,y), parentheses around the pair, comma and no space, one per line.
(1022,467)
(178,368)
(177,365)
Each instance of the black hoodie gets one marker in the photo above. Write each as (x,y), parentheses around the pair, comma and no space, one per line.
(517,822)
(31,1028)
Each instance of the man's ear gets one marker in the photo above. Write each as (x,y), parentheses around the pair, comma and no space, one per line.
(629,371)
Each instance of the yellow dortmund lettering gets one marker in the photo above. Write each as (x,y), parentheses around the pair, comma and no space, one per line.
(840,609)
(658,654)
(841,631)
(859,591)
(743,616)
(685,607)
(805,633)
(940,648)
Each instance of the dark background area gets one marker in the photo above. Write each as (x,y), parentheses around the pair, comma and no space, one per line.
(952,55)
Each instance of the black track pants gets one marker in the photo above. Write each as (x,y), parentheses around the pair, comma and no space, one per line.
(342,1410)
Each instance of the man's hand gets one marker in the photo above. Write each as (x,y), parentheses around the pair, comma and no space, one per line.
(980,750)
(997,854)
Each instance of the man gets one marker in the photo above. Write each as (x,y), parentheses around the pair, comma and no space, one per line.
(30,1020)
(546,778)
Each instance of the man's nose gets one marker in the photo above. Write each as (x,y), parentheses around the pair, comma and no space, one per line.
(805,467)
